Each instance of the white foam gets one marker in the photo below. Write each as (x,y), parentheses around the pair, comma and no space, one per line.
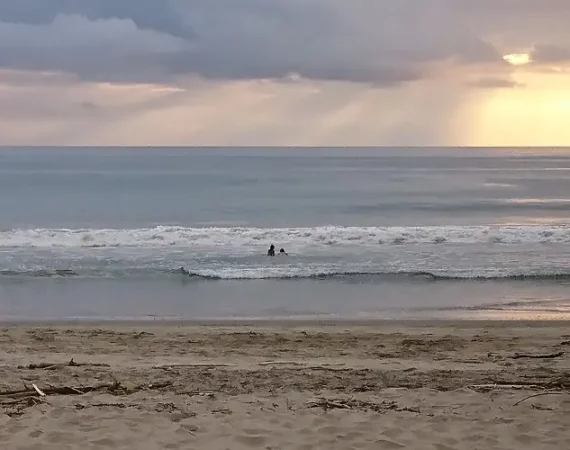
(252,239)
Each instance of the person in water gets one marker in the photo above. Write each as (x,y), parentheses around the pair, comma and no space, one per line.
(271,251)
(282,252)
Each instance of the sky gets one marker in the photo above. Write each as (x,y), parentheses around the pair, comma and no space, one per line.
(285,72)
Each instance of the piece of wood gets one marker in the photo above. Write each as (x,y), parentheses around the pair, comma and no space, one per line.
(69,390)
(190,366)
(547,356)
(64,390)
(38,366)
(158,385)
(327,404)
(352,403)
(503,386)
(330,369)
(38,390)
(518,383)
(536,395)
(54,365)
(197,394)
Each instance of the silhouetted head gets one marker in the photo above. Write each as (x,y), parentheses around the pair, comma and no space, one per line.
(271,247)
(282,250)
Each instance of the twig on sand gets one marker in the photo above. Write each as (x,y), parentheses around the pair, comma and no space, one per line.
(158,385)
(328,404)
(38,390)
(170,367)
(282,363)
(53,365)
(197,394)
(352,403)
(63,390)
(536,395)
(491,386)
(114,387)
(547,356)
(77,391)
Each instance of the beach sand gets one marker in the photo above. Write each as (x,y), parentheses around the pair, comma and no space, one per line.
(306,385)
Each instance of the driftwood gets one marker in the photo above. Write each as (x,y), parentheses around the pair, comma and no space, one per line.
(329,404)
(491,386)
(115,387)
(38,390)
(521,383)
(560,383)
(190,366)
(536,395)
(282,363)
(64,390)
(14,402)
(53,365)
(547,356)
(352,403)
(197,394)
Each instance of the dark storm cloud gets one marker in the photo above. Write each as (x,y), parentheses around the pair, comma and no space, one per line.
(156,15)
(385,42)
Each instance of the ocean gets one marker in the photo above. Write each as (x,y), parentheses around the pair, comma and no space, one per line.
(387,233)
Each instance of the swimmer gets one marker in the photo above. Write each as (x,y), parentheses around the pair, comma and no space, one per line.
(282,252)
(271,251)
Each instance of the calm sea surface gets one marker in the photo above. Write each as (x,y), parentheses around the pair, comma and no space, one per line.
(371,233)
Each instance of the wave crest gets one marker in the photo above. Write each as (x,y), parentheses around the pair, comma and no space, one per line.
(260,274)
(248,239)
(383,276)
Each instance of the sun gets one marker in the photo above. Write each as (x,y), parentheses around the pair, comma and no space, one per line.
(517,59)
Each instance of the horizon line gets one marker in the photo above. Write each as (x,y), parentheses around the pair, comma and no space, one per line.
(294,147)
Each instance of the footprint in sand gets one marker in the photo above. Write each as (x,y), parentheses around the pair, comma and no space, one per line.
(251,440)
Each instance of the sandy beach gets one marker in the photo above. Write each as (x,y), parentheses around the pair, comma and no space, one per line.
(304,385)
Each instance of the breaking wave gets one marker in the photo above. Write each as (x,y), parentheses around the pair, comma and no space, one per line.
(380,276)
(263,274)
(252,238)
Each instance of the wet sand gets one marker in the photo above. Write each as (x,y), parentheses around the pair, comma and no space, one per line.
(277,385)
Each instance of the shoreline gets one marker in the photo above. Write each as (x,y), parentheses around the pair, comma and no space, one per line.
(290,323)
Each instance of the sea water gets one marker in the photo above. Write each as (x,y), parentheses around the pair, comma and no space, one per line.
(370,233)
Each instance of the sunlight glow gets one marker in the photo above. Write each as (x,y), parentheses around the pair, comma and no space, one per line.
(517,59)
(535,115)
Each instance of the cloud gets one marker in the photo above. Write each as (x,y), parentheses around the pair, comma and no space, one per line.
(550,54)
(516,25)
(381,42)
(494,83)
(270,72)
(242,112)
(154,15)
(104,49)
